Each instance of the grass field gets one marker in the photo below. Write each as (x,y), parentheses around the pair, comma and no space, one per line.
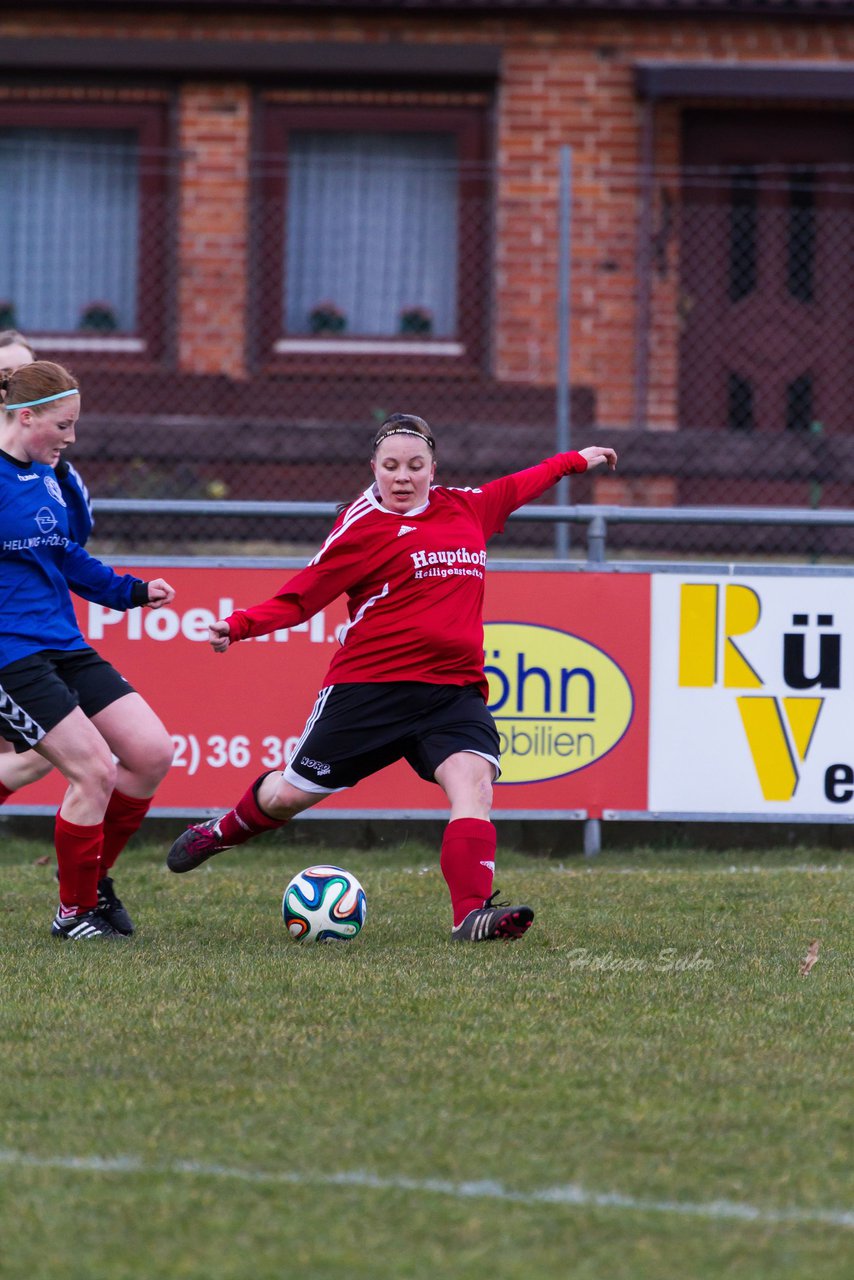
(643,1087)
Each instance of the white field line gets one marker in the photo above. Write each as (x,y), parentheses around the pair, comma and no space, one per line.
(571,1195)
(801,869)
(591,869)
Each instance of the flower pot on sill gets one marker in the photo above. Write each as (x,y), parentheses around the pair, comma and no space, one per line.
(417,321)
(98,317)
(327,319)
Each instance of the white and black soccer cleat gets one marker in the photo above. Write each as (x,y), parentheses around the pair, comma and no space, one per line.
(91,925)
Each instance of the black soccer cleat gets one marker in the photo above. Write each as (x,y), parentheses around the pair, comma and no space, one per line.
(195,846)
(494,921)
(112,908)
(91,925)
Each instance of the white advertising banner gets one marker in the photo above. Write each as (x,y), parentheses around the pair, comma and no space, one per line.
(752,695)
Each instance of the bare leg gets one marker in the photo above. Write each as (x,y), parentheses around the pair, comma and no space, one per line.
(138,737)
(466,780)
(19,769)
(281,799)
(83,757)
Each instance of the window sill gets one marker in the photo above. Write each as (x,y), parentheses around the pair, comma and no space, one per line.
(368,347)
(88,342)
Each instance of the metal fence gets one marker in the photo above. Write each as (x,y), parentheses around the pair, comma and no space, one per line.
(599,526)
(745,322)
(710,318)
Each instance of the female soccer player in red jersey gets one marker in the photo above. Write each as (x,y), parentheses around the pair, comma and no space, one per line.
(57,695)
(408,681)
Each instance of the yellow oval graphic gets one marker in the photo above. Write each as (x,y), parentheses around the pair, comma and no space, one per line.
(559,703)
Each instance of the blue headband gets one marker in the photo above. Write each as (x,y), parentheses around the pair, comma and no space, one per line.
(28,404)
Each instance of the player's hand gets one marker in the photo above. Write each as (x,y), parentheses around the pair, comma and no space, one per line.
(598,454)
(159,593)
(218,636)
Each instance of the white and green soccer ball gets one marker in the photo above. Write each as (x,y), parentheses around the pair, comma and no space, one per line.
(324,904)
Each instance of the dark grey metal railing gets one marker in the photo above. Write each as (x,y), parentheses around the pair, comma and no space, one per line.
(596,518)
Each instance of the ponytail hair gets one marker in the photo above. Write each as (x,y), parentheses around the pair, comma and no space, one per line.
(35,381)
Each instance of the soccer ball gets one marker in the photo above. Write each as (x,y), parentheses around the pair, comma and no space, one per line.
(324,904)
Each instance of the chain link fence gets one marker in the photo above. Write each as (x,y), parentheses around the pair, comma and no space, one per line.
(254,362)
(747,326)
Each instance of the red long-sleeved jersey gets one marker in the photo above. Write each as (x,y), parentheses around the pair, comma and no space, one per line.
(414,582)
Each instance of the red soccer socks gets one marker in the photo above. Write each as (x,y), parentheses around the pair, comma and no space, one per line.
(246,819)
(123,817)
(78,855)
(468,863)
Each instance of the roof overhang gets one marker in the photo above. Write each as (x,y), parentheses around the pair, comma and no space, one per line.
(788,82)
(249,59)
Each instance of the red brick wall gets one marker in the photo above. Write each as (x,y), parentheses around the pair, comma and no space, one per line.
(213,239)
(563,81)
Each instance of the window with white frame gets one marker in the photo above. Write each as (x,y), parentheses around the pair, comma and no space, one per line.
(83,222)
(371,231)
(69,222)
(380,222)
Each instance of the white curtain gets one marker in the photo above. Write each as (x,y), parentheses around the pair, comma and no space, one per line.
(68,225)
(371,226)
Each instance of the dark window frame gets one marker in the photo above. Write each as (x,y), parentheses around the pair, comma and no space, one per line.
(470,125)
(150,121)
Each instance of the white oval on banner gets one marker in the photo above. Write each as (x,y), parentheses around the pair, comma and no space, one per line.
(559,703)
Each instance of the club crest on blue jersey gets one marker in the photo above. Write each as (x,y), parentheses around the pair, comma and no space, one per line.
(46,520)
(52,486)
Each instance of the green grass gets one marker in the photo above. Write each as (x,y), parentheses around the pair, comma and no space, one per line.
(651,1037)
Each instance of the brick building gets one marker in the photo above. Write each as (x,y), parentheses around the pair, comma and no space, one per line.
(183,177)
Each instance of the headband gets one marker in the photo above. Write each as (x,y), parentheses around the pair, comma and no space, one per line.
(404,431)
(28,404)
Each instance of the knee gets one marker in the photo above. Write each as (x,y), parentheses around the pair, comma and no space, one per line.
(100,777)
(278,798)
(162,755)
(151,759)
(467,780)
(478,787)
(481,796)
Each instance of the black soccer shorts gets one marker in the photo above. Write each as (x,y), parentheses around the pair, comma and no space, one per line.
(355,730)
(39,691)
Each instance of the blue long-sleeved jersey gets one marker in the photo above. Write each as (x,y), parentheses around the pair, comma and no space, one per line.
(40,565)
(77,500)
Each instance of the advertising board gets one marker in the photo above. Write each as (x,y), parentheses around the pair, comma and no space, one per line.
(752,690)
(567,657)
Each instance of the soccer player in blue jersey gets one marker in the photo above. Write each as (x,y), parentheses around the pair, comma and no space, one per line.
(19,769)
(57,695)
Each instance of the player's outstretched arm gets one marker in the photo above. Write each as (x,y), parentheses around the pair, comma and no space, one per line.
(218,635)
(598,455)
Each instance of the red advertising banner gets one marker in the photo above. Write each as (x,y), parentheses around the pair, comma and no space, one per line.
(567,658)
